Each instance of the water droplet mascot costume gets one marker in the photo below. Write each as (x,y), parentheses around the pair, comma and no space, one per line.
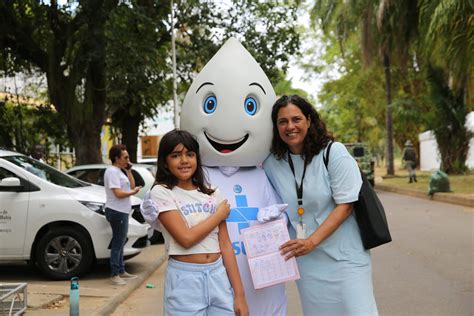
(228,109)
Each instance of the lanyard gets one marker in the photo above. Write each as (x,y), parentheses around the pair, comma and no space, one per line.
(299,188)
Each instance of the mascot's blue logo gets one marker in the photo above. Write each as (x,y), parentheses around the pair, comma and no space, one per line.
(242,214)
(237,188)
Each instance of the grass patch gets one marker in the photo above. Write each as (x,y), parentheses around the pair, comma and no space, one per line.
(463,184)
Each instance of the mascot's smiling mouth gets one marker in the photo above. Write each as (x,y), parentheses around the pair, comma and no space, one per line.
(226,146)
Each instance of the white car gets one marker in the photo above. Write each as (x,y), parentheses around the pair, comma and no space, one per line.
(142,173)
(54,220)
(94,173)
(148,161)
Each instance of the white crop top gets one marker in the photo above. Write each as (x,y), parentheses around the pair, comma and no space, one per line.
(195,207)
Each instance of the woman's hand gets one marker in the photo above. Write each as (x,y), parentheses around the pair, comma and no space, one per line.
(135,190)
(240,306)
(296,248)
(223,210)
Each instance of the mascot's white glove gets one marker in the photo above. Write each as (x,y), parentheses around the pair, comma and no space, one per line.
(272,212)
(149,210)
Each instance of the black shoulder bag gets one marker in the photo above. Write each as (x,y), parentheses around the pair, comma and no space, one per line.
(370,215)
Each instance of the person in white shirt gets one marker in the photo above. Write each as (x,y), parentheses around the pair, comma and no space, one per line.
(119,186)
(202,277)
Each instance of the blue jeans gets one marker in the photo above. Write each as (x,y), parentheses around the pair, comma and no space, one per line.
(119,223)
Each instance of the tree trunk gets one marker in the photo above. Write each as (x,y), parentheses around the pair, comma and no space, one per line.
(453,137)
(86,140)
(388,114)
(130,125)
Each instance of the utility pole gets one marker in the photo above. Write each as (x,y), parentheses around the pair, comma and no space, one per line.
(173,53)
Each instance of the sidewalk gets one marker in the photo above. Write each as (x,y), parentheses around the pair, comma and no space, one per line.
(446,197)
(97,295)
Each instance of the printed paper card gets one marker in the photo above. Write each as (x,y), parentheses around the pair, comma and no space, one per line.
(267,266)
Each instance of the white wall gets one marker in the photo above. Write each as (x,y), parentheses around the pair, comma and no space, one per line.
(430,158)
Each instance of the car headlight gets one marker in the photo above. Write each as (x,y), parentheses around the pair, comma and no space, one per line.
(94,206)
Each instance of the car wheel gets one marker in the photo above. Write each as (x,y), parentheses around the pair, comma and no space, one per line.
(64,252)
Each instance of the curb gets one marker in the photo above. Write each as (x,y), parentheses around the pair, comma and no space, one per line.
(445,197)
(113,303)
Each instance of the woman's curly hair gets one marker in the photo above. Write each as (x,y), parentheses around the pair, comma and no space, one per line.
(317,137)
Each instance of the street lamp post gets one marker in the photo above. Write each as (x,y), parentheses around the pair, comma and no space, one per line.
(173,53)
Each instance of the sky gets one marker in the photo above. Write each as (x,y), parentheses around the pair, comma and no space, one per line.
(313,50)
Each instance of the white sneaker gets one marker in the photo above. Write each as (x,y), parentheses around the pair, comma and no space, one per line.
(117,280)
(127,276)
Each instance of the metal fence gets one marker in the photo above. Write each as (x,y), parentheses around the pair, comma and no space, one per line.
(13,298)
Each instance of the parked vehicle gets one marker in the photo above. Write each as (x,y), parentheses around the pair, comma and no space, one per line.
(144,177)
(364,158)
(54,220)
(148,161)
(94,173)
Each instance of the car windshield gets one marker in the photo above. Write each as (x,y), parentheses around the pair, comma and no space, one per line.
(45,172)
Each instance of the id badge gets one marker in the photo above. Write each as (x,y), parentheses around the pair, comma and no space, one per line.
(301,231)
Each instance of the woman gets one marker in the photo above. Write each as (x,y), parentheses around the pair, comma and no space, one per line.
(336,276)
(202,277)
(119,186)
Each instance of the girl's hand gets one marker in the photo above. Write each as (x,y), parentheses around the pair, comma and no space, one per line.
(240,306)
(296,248)
(223,209)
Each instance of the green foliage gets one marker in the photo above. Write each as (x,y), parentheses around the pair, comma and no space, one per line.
(266,29)
(23,125)
(353,105)
(66,43)
(112,58)
(138,69)
(448,122)
(447,27)
(284,87)
(412,35)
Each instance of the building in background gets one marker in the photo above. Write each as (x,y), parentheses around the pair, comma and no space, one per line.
(430,158)
(151,133)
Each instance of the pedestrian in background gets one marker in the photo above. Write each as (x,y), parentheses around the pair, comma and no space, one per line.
(119,186)
(37,152)
(409,158)
(336,270)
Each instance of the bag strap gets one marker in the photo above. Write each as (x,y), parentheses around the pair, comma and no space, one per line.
(326,157)
(326,161)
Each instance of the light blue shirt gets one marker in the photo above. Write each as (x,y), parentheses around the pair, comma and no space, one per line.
(336,277)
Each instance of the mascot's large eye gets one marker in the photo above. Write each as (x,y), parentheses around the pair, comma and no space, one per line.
(250,106)
(210,104)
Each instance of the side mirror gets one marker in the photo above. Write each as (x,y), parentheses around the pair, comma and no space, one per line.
(10,184)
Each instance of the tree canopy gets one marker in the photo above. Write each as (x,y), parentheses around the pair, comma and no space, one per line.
(423,50)
(110,58)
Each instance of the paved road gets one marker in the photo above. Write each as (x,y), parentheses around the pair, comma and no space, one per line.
(426,270)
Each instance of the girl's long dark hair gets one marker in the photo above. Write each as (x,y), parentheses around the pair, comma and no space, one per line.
(317,137)
(168,142)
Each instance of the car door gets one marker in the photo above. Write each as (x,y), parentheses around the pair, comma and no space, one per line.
(13,214)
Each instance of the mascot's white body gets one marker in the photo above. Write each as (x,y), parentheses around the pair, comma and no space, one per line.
(228,109)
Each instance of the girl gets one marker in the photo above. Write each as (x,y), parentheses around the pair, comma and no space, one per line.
(192,217)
